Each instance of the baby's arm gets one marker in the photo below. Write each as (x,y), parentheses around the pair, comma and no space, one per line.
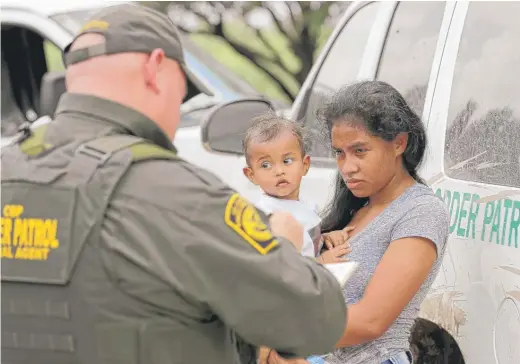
(335,255)
(336,243)
(337,237)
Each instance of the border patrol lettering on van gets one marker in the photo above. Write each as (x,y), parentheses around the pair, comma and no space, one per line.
(492,222)
(27,238)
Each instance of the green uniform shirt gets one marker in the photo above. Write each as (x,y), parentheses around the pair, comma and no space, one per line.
(183,244)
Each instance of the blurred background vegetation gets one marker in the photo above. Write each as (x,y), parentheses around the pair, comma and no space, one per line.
(270,45)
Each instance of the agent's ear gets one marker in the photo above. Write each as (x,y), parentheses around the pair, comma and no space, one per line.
(306,164)
(248,172)
(151,68)
(400,143)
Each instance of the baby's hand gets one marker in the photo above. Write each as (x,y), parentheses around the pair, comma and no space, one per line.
(335,255)
(338,237)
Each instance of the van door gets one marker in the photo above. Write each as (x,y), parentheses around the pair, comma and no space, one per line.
(408,54)
(474,133)
(340,64)
(392,41)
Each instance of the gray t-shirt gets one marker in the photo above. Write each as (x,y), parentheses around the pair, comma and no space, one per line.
(418,212)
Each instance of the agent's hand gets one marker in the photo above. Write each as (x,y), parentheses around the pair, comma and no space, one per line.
(335,255)
(263,355)
(338,237)
(285,225)
(274,358)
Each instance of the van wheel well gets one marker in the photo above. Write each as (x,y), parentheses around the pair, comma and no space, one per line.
(431,344)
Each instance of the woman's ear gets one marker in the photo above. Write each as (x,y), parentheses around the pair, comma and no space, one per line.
(248,172)
(400,143)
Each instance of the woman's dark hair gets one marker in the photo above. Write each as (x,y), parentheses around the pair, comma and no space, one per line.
(384,113)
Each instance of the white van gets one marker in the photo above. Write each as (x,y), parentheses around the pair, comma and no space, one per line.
(458,64)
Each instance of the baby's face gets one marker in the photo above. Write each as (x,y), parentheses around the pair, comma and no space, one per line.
(277,166)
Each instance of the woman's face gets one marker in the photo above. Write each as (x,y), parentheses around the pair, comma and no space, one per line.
(366,163)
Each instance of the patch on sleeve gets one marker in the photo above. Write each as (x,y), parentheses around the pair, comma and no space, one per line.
(244,219)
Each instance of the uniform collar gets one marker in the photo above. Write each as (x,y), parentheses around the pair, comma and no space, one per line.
(114,113)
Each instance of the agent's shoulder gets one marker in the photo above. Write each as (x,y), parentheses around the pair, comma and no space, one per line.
(163,181)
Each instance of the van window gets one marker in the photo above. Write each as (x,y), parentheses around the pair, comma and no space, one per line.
(339,68)
(407,57)
(483,135)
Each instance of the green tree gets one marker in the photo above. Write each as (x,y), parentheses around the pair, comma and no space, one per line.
(283,49)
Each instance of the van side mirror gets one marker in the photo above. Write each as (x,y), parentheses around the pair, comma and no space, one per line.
(51,89)
(224,127)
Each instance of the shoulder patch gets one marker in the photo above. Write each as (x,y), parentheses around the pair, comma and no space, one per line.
(244,219)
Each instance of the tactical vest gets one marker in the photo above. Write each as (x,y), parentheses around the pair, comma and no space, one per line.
(54,199)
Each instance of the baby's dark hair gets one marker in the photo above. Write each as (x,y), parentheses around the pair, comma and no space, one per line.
(267,127)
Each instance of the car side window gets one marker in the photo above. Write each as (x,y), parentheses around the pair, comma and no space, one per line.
(483,133)
(30,55)
(340,67)
(407,56)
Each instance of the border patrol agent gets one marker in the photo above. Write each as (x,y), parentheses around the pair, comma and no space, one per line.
(114,250)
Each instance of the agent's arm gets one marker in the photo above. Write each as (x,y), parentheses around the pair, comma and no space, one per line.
(213,252)
(260,285)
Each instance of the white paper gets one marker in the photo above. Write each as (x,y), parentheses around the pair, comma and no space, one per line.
(342,271)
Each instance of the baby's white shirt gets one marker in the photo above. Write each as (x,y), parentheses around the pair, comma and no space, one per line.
(304,213)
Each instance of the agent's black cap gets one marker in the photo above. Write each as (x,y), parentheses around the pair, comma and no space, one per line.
(133,28)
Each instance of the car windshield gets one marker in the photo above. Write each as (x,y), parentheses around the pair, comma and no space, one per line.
(214,71)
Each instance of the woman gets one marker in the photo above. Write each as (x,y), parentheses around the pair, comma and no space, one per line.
(400,227)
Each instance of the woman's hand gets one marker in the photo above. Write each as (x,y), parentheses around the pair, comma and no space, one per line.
(335,255)
(274,358)
(338,237)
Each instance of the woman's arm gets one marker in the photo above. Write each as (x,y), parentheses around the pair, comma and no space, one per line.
(398,276)
(416,240)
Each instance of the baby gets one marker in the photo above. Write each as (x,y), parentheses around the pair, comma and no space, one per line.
(277,161)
